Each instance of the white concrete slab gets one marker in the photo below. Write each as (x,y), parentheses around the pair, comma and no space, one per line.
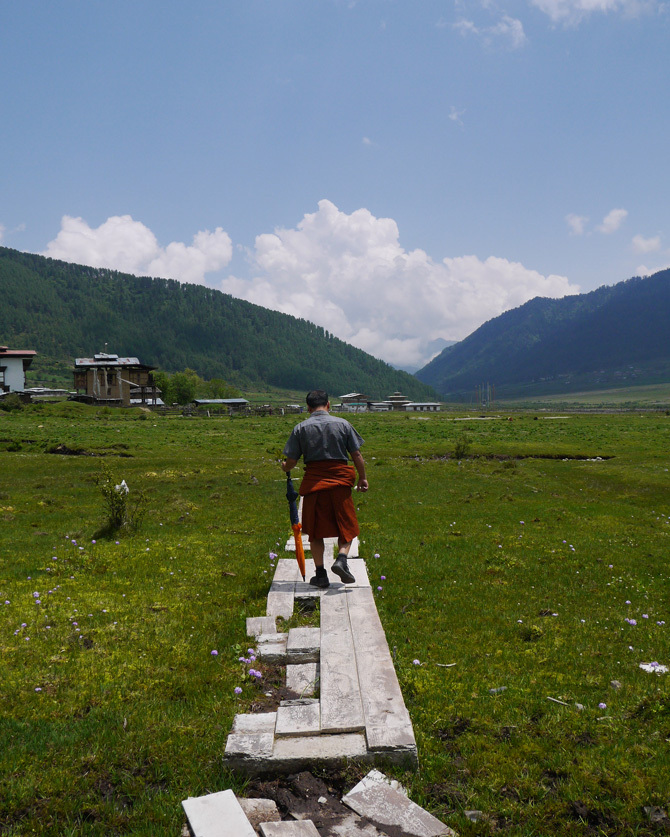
(257,625)
(272,647)
(252,748)
(387,808)
(388,725)
(217,815)
(303,645)
(303,828)
(260,810)
(254,723)
(280,597)
(376,777)
(298,718)
(289,546)
(301,679)
(290,753)
(341,709)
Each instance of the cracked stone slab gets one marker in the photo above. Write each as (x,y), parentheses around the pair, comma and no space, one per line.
(303,645)
(301,678)
(322,750)
(254,723)
(376,777)
(244,748)
(280,597)
(304,828)
(387,808)
(272,647)
(341,709)
(260,810)
(388,725)
(217,815)
(257,625)
(299,717)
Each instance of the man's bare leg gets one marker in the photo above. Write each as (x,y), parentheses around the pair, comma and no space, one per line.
(317,547)
(343,547)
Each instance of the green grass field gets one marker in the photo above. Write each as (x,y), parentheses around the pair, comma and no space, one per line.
(642,397)
(536,563)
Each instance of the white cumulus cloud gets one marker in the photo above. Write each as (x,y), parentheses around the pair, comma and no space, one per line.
(646,245)
(349,274)
(576,223)
(507,30)
(612,221)
(571,12)
(120,243)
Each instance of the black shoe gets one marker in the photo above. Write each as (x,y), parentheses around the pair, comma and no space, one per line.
(320,579)
(341,569)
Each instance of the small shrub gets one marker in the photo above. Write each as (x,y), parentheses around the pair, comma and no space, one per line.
(462,448)
(123,511)
(11,402)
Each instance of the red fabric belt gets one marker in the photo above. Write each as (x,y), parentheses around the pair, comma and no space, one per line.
(326,473)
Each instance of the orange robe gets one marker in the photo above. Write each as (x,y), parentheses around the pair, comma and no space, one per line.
(328,509)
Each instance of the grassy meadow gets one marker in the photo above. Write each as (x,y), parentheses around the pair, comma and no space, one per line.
(523,567)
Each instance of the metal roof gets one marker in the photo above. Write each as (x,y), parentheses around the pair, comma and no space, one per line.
(108,360)
(6,352)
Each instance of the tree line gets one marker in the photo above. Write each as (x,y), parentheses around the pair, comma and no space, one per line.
(65,311)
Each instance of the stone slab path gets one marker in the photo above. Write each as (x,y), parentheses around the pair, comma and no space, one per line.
(350,708)
(359,713)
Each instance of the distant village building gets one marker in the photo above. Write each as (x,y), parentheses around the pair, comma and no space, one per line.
(353,402)
(422,407)
(13,366)
(114,381)
(398,402)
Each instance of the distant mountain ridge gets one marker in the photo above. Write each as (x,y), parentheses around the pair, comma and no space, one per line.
(615,335)
(66,310)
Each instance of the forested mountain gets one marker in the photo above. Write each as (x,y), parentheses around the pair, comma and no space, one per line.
(66,310)
(616,335)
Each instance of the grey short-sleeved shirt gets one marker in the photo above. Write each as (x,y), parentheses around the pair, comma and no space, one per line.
(322,436)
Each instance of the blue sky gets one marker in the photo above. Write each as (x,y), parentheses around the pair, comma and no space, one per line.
(397,171)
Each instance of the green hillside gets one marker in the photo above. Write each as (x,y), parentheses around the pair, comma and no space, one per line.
(66,310)
(614,336)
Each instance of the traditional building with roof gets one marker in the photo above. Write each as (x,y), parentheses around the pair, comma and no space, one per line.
(13,366)
(114,381)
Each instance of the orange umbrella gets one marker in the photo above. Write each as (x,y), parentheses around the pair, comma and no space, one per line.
(292,496)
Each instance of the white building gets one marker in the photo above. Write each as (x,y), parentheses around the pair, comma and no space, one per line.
(13,365)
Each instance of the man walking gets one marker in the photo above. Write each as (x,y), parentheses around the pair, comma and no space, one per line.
(325,442)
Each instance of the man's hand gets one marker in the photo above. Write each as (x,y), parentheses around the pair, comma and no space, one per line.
(288,465)
(359,464)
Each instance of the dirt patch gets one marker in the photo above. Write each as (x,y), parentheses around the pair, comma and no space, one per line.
(273,690)
(591,816)
(64,450)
